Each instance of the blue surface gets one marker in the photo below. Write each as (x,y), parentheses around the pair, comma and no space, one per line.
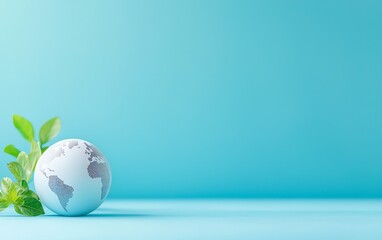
(205,98)
(223,219)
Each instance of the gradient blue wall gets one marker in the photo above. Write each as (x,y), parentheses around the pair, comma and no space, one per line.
(205,98)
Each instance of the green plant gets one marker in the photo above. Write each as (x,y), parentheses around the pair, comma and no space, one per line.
(25,201)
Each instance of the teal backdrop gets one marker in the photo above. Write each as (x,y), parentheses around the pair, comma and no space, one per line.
(204,98)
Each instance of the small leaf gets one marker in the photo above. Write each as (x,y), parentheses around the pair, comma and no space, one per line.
(35,147)
(24,185)
(7,186)
(3,203)
(24,126)
(33,157)
(8,189)
(16,170)
(17,209)
(49,130)
(30,193)
(31,207)
(12,150)
(23,160)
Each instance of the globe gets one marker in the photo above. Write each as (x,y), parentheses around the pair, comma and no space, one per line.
(72,177)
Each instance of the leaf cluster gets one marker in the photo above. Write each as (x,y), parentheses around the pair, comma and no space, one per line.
(25,201)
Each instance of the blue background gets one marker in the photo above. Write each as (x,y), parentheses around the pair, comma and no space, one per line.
(204,98)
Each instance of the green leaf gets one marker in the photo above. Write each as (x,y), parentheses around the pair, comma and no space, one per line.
(16,170)
(12,150)
(23,160)
(23,191)
(8,189)
(30,207)
(24,126)
(7,186)
(17,209)
(30,193)
(33,157)
(49,130)
(3,203)
(24,184)
(44,149)
(22,187)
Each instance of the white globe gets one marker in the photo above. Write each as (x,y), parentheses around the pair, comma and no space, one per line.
(72,177)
